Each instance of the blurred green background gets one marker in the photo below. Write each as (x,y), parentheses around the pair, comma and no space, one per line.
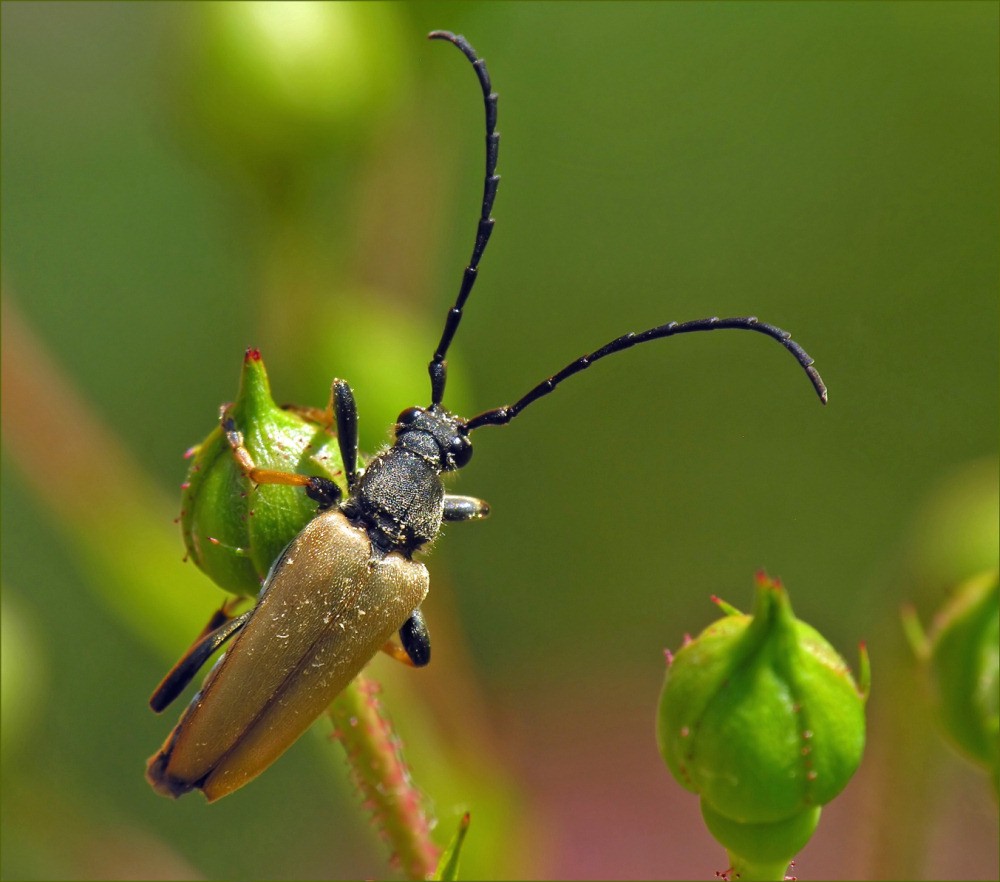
(181,181)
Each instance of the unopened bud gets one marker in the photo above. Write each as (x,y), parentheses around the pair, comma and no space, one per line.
(965,670)
(762,719)
(233,530)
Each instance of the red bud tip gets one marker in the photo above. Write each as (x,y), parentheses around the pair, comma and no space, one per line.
(763,580)
(252,354)
(668,656)
(191,451)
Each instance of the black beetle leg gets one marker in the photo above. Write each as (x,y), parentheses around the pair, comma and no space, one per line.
(225,613)
(191,662)
(415,639)
(465,508)
(346,412)
(416,642)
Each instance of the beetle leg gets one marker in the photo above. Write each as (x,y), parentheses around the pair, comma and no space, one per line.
(191,662)
(465,508)
(393,649)
(414,648)
(415,639)
(242,456)
(323,490)
(225,613)
(346,412)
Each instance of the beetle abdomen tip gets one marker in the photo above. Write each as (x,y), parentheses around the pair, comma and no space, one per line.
(161,781)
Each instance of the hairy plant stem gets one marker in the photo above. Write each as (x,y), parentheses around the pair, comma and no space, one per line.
(374,752)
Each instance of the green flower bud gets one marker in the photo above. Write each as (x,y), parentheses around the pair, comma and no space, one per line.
(965,670)
(232,530)
(762,719)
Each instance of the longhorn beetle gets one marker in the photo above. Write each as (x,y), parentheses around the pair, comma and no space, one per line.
(347,583)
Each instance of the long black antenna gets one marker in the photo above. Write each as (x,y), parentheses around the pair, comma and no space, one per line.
(438,367)
(500,416)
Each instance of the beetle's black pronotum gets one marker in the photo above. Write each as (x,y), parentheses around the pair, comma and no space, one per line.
(348,582)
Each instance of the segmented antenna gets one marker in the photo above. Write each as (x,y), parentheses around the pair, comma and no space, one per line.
(438,367)
(500,416)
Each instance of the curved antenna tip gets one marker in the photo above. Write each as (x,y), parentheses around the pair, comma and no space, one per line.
(818,383)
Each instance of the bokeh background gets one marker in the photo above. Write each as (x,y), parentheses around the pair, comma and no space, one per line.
(181,181)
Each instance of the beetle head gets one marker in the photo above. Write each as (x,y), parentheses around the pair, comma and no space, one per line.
(433,433)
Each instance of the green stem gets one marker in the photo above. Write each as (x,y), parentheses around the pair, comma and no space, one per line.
(744,870)
(382,776)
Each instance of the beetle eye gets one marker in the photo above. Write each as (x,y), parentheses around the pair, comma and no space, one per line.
(461,451)
(409,416)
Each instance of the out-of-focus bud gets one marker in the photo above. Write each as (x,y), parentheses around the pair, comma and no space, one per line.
(957,532)
(762,719)
(276,85)
(954,542)
(964,665)
(234,531)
